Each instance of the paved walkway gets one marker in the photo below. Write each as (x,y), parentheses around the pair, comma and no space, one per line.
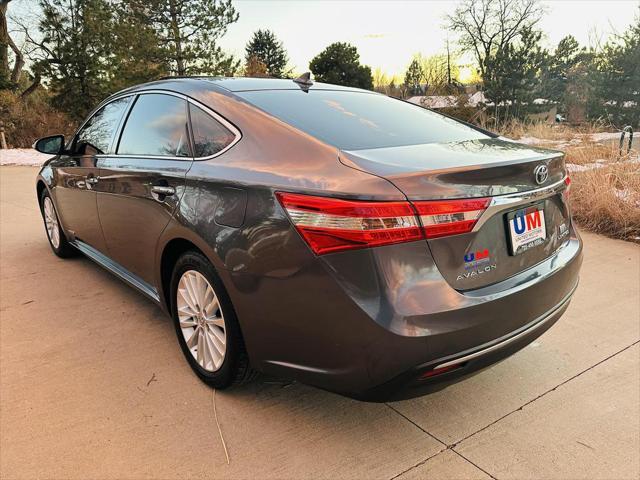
(93,385)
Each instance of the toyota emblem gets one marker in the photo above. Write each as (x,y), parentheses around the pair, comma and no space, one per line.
(541,172)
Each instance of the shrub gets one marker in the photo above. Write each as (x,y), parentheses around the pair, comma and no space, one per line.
(28,119)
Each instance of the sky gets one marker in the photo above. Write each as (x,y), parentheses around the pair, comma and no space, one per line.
(388,33)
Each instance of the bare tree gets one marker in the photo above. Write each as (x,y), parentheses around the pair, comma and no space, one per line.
(488,26)
(435,73)
(7,42)
(380,80)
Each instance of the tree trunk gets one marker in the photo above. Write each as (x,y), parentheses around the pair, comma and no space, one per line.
(448,64)
(19,62)
(175,31)
(32,88)
(4,42)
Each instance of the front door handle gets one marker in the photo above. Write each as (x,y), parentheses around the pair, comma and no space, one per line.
(92,180)
(163,190)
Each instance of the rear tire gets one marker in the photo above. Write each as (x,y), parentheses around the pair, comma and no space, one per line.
(206,324)
(57,239)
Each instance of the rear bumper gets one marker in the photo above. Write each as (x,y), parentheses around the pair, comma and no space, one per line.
(410,384)
(368,323)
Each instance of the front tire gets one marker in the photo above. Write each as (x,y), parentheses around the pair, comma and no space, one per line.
(206,323)
(57,240)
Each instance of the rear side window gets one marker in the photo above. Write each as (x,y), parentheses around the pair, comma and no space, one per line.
(359,120)
(157,126)
(209,135)
(95,136)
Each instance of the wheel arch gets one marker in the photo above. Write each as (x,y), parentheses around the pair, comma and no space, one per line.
(40,187)
(171,251)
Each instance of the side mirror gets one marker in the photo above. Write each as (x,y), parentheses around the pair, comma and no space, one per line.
(53,145)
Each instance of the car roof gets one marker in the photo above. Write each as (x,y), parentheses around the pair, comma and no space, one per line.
(243,84)
(231,85)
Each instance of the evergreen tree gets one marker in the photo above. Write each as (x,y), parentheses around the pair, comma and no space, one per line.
(137,54)
(339,63)
(413,78)
(88,49)
(188,31)
(557,72)
(512,73)
(265,48)
(617,78)
(74,52)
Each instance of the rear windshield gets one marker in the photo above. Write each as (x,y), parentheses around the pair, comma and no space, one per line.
(358,120)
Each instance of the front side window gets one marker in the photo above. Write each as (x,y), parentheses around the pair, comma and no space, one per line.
(156,126)
(209,135)
(95,136)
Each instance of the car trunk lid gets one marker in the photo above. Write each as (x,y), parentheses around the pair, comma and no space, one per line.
(522,205)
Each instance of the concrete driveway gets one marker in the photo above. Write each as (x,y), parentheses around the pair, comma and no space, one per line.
(93,385)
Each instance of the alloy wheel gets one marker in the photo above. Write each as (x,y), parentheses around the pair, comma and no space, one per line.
(201,320)
(51,222)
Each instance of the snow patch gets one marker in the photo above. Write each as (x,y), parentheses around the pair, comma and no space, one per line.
(536,141)
(572,167)
(604,136)
(22,156)
(627,195)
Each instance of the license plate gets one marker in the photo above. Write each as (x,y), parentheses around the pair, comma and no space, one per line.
(527,229)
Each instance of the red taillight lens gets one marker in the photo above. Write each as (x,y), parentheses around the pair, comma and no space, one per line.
(567,182)
(450,217)
(330,225)
(439,371)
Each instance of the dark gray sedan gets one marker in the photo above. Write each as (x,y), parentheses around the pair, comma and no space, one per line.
(326,234)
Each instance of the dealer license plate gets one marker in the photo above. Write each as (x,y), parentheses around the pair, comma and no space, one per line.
(527,229)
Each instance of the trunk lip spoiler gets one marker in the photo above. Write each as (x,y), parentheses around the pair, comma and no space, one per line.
(510,200)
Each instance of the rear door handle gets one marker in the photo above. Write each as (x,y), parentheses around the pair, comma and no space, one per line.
(92,180)
(163,190)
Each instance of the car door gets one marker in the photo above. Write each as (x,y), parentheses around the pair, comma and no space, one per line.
(142,183)
(78,174)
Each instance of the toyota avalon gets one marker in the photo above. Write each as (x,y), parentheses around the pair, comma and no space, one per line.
(315,232)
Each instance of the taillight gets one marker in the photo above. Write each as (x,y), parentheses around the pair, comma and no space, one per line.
(450,217)
(567,183)
(330,225)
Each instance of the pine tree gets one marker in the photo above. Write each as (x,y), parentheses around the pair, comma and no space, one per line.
(188,31)
(557,72)
(617,78)
(512,73)
(265,48)
(88,49)
(74,52)
(413,78)
(339,64)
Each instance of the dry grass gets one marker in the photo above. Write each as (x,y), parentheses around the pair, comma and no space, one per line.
(590,152)
(607,200)
(517,129)
(605,195)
